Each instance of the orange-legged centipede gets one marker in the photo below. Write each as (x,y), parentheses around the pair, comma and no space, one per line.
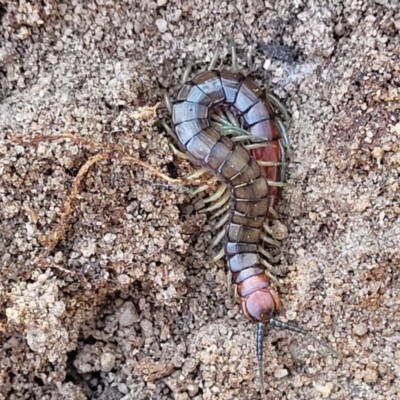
(251,174)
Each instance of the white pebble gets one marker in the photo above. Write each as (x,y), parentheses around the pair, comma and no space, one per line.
(162,25)
(325,390)
(167,37)
(107,362)
(360,329)
(129,316)
(147,327)
(109,237)
(281,373)
(124,279)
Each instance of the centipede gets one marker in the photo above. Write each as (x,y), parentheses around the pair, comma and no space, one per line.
(227,126)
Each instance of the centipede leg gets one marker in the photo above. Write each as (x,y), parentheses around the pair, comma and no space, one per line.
(174,149)
(220,191)
(200,189)
(234,56)
(269,163)
(243,138)
(283,127)
(283,130)
(219,256)
(178,153)
(187,72)
(218,238)
(232,291)
(167,101)
(224,199)
(268,229)
(269,240)
(225,118)
(220,212)
(275,280)
(273,213)
(283,162)
(270,268)
(277,103)
(214,60)
(278,184)
(197,174)
(222,221)
(254,146)
(267,255)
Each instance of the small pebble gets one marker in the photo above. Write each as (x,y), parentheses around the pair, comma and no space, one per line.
(107,362)
(371,375)
(360,329)
(109,237)
(147,327)
(162,25)
(281,373)
(124,279)
(129,316)
(138,27)
(167,37)
(193,389)
(325,390)
(123,388)
(182,396)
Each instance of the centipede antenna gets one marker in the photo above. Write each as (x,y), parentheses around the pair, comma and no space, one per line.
(297,329)
(259,340)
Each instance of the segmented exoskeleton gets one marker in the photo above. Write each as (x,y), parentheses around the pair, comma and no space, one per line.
(252,179)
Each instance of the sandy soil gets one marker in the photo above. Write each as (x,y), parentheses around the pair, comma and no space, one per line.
(106,287)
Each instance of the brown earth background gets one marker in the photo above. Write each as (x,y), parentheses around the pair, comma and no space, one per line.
(107,289)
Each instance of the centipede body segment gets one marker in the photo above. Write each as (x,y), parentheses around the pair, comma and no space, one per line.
(251,195)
